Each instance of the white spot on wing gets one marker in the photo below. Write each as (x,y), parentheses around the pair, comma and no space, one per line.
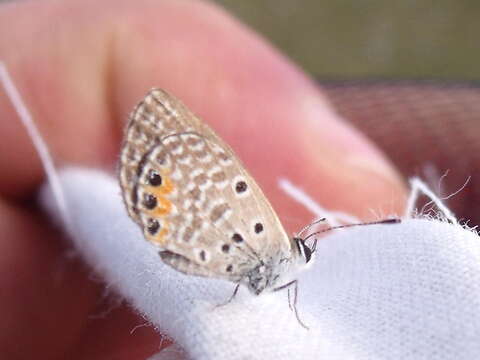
(206,185)
(196,172)
(186,160)
(177,174)
(205,159)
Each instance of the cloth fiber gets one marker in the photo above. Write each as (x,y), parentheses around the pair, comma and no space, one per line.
(402,291)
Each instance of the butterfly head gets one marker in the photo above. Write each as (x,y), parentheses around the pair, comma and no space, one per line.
(302,251)
(269,275)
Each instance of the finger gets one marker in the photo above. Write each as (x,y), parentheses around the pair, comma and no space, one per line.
(45,296)
(255,98)
(428,130)
(81,78)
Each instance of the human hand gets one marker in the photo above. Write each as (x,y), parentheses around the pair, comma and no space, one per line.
(81,67)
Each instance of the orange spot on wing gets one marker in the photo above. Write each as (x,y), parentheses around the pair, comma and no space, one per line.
(166,188)
(163,208)
(159,238)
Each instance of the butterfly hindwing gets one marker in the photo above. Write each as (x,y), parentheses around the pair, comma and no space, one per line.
(190,194)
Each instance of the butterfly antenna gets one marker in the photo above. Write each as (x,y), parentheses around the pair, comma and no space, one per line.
(385,221)
(305,228)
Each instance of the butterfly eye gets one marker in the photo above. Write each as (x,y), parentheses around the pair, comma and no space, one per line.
(303,249)
(307,253)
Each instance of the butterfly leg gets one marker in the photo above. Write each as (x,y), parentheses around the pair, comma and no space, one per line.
(235,291)
(289,300)
(295,297)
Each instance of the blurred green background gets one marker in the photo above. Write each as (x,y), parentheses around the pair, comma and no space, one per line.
(371,38)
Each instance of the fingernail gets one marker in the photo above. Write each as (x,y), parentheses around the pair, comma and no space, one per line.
(335,143)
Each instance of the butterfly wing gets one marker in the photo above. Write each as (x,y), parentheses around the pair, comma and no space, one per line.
(191,195)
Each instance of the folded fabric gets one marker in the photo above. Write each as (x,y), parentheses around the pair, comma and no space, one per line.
(402,291)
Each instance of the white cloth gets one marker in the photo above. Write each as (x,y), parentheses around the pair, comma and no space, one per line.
(404,291)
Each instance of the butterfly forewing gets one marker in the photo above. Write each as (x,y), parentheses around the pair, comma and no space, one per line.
(191,196)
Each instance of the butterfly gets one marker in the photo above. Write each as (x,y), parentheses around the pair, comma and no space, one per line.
(193,199)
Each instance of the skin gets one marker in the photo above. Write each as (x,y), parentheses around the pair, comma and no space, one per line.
(81,66)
